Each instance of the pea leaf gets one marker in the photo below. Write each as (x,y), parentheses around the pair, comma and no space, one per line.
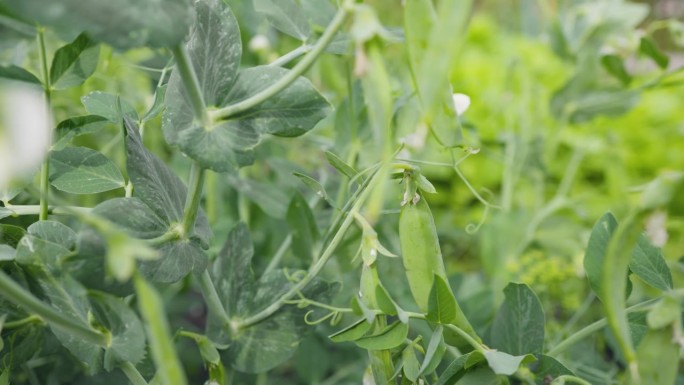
(124,24)
(504,363)
(649,48)
(303,228)
(259,347)
(434,352)
(128,336)
(81,170)
(273,202)
(285,15)
(441,302)
(659,368)
(454,371)
(13,72)
(481,375)
(74,63)
(548,368)
(158,186)
(616,67)
(314,185)
(80,125)
(666,312)
(7,253)
(108,106)
(649,264)
(291,112)
(10,234)
(47,243)
(518,326)
(340,165)
(389,337)
(352,332)
(133,215)
(411,365)
(600,236)
(70,297)
(157,105)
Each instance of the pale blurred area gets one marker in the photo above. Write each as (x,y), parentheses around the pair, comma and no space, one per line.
(25,131)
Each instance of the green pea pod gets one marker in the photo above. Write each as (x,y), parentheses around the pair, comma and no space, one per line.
(422,259)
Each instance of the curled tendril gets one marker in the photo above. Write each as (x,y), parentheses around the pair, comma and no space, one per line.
(296,277)
(472,228)
(317,321)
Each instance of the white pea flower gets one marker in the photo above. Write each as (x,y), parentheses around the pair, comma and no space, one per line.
(25,130)
(461,103)
(259,43)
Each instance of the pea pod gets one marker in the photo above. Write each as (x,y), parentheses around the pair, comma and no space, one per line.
(422,257)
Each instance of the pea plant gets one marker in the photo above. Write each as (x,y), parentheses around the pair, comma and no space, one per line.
(195,244)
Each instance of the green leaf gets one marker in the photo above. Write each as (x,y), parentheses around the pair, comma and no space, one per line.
(658,357)
(81,170)
(7,194)
(441,302)
(232,269)
(74,63)
(454,371)
(616,67)
(133,215)
(128,336)
(649,48)
(389,337)
(263,346)
(13,72)
(303,227)
(47,243)
(10,234)
(664,313)
(227,145)
(411,364)
(7,253)
(158,186)
(215,50)
(352,332)
(108,106)
(518,327)
(649,264)
(481,375)
(341,166)
(158,104)
(504,363)
(80,125)
(125,24)
(208,351)
(70,298)
(314,185)
(285,15)
(434,352)
(273,202)
(384,300)
(548,368)
(600,236)
(151,306)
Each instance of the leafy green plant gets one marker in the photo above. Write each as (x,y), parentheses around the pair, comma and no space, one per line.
(129,272)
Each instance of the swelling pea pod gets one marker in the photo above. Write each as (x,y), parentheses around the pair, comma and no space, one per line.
(422,259)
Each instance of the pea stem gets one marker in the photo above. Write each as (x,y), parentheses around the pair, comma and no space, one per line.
(47,89)
(13,292)
(294,73)
(211,296)
(21,322)
(132,373)
(320,262)
(18,210)
(290,56)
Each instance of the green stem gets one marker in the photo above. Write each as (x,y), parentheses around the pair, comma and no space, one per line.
(290,56)
(23,298)
(193,198)
(471,341)
(45,169)
(294,73)
(19,323)
(132,373)
(594,327)
(211,296)
(318,266)
(18,210)
(191,84)
(280,253)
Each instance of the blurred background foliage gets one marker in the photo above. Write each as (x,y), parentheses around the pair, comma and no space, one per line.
(575,107)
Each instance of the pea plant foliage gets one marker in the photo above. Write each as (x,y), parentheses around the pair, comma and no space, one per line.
(142,259)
